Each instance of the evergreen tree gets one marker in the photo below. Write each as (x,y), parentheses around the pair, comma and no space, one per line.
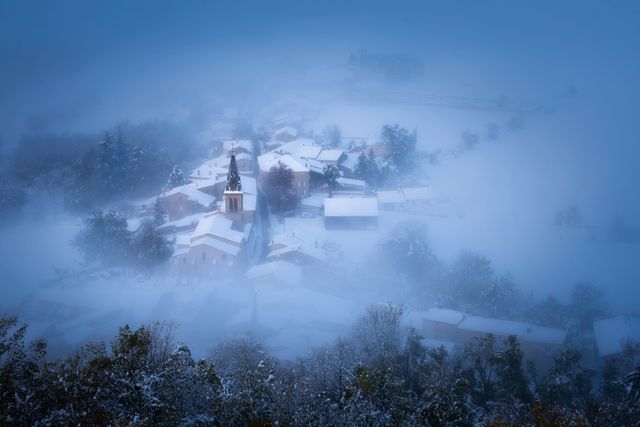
(402,147)
(150,248)
(158,213)
(104,239)
(176,178)
(568,382)
(121,164)
(331,175)
(106,163)
(279,189)
(362,169)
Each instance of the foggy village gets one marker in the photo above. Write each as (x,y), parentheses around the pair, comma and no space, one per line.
(319,213)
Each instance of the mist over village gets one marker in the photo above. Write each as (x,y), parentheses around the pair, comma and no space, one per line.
(319,213)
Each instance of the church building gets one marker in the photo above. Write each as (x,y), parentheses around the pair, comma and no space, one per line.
(218,244)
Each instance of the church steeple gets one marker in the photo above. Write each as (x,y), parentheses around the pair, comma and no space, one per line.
(233,177)
(233,195)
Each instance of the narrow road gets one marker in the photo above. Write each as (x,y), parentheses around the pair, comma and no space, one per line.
(261,233)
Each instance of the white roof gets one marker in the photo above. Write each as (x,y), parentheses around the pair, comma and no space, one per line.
(226,247)
(219,226)
(280,270)
(184,222)
(193,193)
(211,169)
(351,161)
(183,239)
(612,333)
(267,161)
(350,182)
(293,147)
(329,155)
(443,315)
(314,200)
(305,243)
(308,152)
(391,196)
(523,331)
(351,207)
(418,193)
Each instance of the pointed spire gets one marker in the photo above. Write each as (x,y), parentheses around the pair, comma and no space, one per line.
(233,177)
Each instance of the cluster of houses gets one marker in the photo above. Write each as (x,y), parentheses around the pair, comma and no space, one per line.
(211,217)
(352,206)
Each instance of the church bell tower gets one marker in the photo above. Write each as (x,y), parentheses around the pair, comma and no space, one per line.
(233,194)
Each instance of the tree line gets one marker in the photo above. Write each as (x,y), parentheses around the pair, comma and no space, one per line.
(89,171)
(379,375)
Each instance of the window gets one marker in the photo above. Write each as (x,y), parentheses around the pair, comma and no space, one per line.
(204,256)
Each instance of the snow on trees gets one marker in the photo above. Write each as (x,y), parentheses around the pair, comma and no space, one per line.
(331,174)
(176,178)
(106,241)
(279,189)
(402,146)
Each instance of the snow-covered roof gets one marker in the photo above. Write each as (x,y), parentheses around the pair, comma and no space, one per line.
(295,146)
(329,155)
(219,226)
(612,333)
(226,247)
(350,161)
(184,222)
(351,207)
(315,200)
(193,193)
(350,182)
(280,270)
(268,160)
(390,196)
(211,169)
(443,315)
(418,193)
(183,239)
(307,151)
(523,331)
(297,241)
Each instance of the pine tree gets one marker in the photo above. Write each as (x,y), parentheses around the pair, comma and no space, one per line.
(150,248)
(158,213)
(331,175)
(279,188)
(176,178)
(121,164)
(402,147)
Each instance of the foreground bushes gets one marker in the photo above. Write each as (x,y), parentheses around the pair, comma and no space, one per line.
(381,376)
